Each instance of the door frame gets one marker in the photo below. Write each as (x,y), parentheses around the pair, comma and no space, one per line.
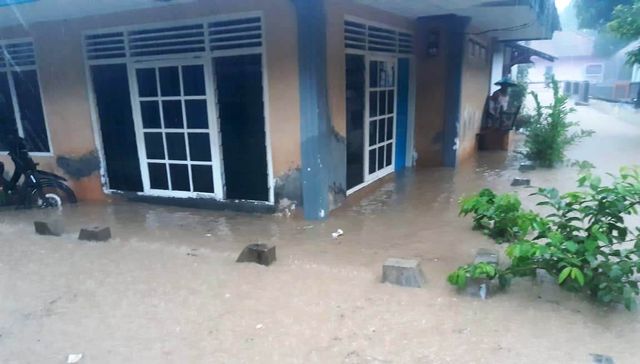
(206,56)
(213,130)
(370,177)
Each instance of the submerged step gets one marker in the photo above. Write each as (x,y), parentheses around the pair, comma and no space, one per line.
(527,166)
(262,254)
(482,287)
(403,272)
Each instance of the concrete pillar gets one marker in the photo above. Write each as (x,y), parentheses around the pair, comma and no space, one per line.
(456,27)
(315,123)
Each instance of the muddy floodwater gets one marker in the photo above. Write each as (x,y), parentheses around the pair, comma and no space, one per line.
(166,289)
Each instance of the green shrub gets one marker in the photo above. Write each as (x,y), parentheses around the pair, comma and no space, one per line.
(585,242)
(549,132)
(498,216)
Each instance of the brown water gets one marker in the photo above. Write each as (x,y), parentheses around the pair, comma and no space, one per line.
(166,288)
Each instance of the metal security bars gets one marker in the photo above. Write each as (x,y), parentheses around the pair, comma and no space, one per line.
(376,38)
(214,36)
(17,54)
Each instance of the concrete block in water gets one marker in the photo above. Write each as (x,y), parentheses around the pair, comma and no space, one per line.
(403,272)
(517,182)
(51,228)
(484,255)
(526,166)
(483,287)
(95,233)
(262,254)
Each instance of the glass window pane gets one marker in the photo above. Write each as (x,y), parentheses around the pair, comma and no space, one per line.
(372,161)
(172,114)
(199,147)
(373,132)
(373,74)
(176,147)
(381,130)
(202,177)
(389,128)
(193,80)
(390,102)
(373,104)
(380,158)
(179,177)
(158,176)
(197,117)
(31,114)
(150,114)
(388,154)
(154,145)
(382,103)
(147,85)
(7,113)
(169,81)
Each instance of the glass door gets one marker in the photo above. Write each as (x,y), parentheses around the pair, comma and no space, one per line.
(381,117)
(176,129)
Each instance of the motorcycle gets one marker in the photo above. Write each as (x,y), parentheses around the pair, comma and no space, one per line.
(38,188)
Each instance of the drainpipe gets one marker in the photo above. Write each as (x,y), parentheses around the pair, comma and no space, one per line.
(315,124)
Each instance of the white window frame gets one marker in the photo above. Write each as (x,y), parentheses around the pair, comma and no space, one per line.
(9,69)
(374,55)
(213,130)
(208,56)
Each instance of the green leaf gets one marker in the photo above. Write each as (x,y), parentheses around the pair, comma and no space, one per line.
(595,182)
(564,274)
(577,275)
(571,246)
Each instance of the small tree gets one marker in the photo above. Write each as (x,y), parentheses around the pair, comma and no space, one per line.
(549,133)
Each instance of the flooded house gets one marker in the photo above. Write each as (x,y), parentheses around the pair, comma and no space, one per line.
(251,104)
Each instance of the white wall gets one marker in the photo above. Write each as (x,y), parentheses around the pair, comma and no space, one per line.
(565,69)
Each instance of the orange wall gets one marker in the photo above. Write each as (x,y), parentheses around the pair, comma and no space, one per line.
(63,80)
(476,75)
(431,78)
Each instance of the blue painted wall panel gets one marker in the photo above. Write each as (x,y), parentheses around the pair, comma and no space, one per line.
(402,114)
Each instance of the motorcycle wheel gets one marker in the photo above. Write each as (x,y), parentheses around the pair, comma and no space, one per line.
(55,196)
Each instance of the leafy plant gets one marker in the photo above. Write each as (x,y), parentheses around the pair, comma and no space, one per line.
(550,133)
(585,242)
(498,216)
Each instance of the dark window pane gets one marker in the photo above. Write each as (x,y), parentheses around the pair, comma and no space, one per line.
(147,85)
(372,161)
(202,177)
(389,154)
(193,80)
(373,103)
(172,114)
(382,103)
(154,145)
(199,147)
(179,177)
(381,130)
(158,176)
(390,102)
(150,114)
(169,81)
(176,148)
(389,128)
(373,132)
(380,158)
(31,113)
(373,74)
(7,113)
(197,114)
